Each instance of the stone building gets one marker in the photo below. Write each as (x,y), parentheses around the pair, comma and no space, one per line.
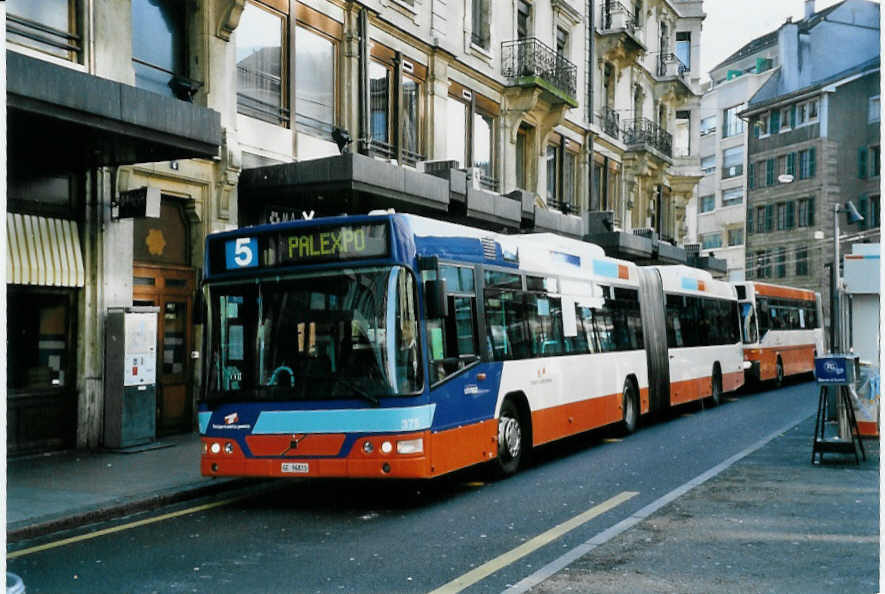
(577,117)
(813,145)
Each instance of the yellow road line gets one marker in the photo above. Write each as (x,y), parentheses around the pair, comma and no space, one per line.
(612,440)
(91,535)
(530,546)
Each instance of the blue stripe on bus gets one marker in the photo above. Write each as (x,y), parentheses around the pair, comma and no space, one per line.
(204,421)
(602,268)
(570,259)
(367,420)
(690,284)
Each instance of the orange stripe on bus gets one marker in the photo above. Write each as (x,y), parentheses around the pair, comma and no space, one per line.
(464,446)
(767,290)
(623,272)
(702,286)
(568,419)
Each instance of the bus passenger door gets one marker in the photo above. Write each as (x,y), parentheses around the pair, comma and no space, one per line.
(651,306)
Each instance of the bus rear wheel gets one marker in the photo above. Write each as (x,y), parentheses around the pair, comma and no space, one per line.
(511,444)
(716,396)
(779,373)
(630,404)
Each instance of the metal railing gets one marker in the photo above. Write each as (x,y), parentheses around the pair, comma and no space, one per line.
(644,131)
(610,120)
(670,65)
(616,16)
(563,206)
(531,57)
(44,35)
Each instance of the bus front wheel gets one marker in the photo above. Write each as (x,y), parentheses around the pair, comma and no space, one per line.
(779,373)
(510,439)
(716,396)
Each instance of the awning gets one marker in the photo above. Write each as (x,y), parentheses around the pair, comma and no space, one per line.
(43,251)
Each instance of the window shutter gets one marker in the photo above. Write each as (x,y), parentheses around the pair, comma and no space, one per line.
(791,163)
(811,159)
(769,172)
(751,176)
(791,214)
(774,122)
(862,209)
(793,117)
(862,162)
(756,129)
(749,220)
(811,212)
(769,218)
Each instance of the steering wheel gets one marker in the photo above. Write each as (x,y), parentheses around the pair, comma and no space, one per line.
(287,369)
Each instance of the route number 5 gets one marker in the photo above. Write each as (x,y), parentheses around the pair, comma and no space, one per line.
(241,253)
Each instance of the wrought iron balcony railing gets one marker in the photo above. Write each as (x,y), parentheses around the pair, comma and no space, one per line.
(610,120)
(671,65)
(531,58)
(616,16)
(563,206)
(644,131)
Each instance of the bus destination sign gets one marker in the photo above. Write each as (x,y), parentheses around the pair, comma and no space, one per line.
(307,246)
(336,243)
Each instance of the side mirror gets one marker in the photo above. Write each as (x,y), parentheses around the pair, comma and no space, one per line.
(435,304)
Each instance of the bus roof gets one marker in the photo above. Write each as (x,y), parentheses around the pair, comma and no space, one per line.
(679,278)
(779,291)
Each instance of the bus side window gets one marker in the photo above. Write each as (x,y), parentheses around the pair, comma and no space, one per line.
(453,343)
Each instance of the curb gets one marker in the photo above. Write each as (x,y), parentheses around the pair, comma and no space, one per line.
(116,508)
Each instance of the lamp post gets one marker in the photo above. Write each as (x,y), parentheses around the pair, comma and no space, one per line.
(852,217)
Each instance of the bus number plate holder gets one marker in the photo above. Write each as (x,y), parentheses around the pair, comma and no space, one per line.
(295,467)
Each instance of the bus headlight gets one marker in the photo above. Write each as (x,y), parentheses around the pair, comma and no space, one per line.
(215,447)
(228,448)
(368,447)
(410,446)
(205,448)
(386,447)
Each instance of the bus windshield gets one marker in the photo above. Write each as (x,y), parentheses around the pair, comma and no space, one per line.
(348,333)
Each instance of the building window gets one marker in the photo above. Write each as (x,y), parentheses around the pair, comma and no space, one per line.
(708,203)
(41,355)
(806,112)
(711,240)
(483,141)
(521,157)
(760,219)
(732,162)
(562,42)
(806,163)
(806,212)
(802,261)
(869,209)
(159,48)
(874,113)
(261,87)
(561,163)
(380,78)
(523,20)
(786,118)
(456,133)
(732,196)
(708,164)
(761,126)
(314,82)
(875,161)
(732,124)
(735,237)
(781,216)
(708,125)
(411,119)
(683,47)
(479,34)
(781,267)
(49,26)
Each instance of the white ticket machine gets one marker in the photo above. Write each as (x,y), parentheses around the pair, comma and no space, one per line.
(130,382)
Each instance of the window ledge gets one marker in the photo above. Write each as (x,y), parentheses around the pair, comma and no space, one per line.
(480,52)
(402,7)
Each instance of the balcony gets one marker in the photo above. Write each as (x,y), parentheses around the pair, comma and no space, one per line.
(671,70)
(621,38)
(530,63)
(643,133)
(610,121)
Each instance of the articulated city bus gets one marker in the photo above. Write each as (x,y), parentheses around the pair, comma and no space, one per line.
(391,345)
(781,329)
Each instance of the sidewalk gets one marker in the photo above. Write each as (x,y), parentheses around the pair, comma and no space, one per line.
(772,522)
(52,492)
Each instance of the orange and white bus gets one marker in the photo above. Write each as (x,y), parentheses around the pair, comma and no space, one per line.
(782,330)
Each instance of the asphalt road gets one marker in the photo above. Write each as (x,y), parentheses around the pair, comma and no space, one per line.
(379,536)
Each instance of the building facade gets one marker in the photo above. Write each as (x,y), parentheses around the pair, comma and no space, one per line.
(718,212)
(577,117)
(814,145)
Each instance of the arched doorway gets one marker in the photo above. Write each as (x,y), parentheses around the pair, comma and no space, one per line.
(163,277)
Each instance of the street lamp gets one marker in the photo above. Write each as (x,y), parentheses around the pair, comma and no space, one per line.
(852,216)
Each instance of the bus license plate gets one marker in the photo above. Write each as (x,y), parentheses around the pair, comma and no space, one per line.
(299,467)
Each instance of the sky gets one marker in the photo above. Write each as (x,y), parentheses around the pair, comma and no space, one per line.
(732,23)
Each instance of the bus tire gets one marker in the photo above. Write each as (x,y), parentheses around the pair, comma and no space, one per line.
(511,440)
(716,381)
(779,373)
(630,404)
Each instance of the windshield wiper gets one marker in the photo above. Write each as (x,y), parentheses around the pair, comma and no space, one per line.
(352,385)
